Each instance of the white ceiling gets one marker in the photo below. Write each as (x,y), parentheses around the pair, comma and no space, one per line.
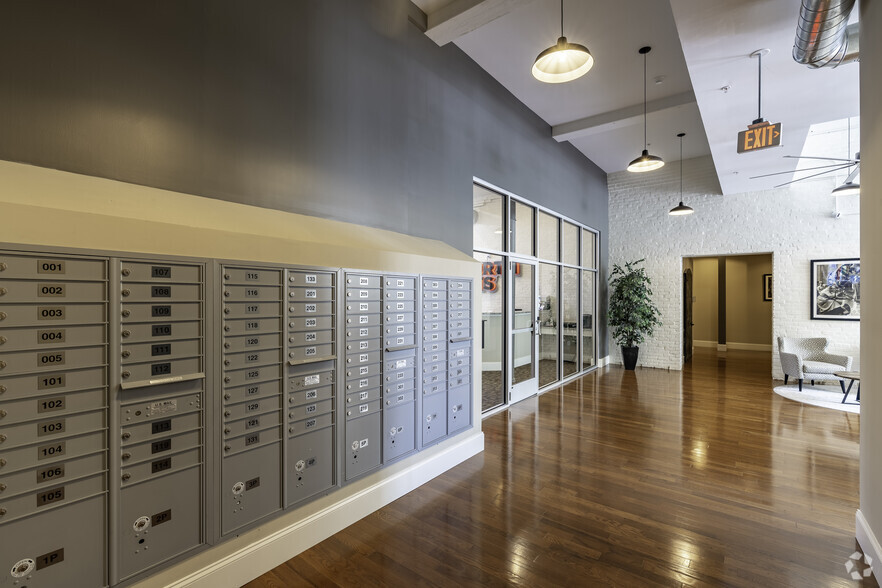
(699,46)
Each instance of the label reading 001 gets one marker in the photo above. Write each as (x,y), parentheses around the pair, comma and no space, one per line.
(50,266)
(160,271)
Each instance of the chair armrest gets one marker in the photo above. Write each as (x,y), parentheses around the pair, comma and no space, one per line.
(843,360)
(791,364)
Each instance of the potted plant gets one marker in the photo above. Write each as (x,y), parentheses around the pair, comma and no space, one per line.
(632,315)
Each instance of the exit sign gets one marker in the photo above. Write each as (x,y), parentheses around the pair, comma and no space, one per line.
(759,136)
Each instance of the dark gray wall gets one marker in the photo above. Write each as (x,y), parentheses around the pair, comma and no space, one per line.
(333,108)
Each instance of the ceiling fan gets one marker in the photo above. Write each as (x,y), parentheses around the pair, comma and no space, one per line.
(838,164)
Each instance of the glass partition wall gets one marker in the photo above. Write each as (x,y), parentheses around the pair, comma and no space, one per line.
(538,296)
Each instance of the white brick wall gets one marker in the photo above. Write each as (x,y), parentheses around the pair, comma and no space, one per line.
(794,224)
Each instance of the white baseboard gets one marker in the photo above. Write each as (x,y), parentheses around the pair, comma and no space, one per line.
(704,343)
(603,361)
(240,560)
(750,346)
(491,366)
(868,542)
(721,347)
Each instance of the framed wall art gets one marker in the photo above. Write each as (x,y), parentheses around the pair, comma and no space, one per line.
(836,289)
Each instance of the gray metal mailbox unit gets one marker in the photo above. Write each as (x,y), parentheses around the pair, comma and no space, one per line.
(160,403)
(399,366)
(310,462)
(53,413)
(459,352)
(251,415)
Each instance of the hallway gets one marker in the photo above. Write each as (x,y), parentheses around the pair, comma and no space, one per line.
(697,478)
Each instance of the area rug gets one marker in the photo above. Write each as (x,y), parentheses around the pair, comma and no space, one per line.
(825,396)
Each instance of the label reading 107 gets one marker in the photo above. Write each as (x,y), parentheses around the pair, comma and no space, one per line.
(160,271)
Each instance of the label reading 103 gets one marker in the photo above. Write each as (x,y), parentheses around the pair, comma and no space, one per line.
(51,427)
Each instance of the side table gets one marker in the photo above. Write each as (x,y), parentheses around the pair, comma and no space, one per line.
(852,377)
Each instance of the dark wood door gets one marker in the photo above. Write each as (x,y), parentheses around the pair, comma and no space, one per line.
(687,315)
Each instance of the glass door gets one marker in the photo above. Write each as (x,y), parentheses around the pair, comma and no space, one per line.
(523,339)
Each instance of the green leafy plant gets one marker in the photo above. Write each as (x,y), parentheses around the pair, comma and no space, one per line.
(632,315)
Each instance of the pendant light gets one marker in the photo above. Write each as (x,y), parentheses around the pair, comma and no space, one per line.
(645,162)
(850,187)
(563,61)
(681,208)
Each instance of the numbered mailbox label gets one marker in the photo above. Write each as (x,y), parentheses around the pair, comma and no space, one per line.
(252,423)
(53,496)
(310,322)
(252,484)
(51,291)
(161,517)
(51,336)
(50,559)
(50,359)
(161,349)
(162,272)
(51,473)
(50,266)
(50,313)
(52,427)
(159,427)
(251,440)
(252,276)
(48,382)
(51,450)
(160,369)
(160,465)
(160,446)
(160,291)
(50,404)
(164,330)
(160,310)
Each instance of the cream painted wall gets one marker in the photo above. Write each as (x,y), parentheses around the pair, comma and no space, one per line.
(705,309)
(748,316)
(869,519)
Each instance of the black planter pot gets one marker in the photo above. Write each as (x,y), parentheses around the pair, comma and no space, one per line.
(629,357)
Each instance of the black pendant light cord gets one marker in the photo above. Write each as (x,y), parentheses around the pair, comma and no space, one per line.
(681,168)
(645,146)
(759,96)
(561,18)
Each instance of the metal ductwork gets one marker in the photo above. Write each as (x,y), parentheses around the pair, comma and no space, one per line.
(823,37)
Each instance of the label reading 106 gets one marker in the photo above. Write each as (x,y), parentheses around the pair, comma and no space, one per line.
(50,473)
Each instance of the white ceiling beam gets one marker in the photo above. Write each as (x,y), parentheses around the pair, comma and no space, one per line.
(618,119)
(460,17)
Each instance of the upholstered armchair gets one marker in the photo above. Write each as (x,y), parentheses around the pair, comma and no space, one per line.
(807,359)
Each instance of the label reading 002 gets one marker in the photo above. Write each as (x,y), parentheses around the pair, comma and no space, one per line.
(50,290)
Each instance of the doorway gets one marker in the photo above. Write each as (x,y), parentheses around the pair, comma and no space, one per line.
(523,330)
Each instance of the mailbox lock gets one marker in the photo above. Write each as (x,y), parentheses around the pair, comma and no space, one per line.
(227,362)
(126,436)
(125,374)
(292,294)
(2,315)
(227,413)
(126,271)
(238,488)
(292,324)
(226,311)
(227,447)
(227,345)
(300,465)
(126,292)
(2,389)
(3,291)
(354,445)
(227,379)
(2,462)
(23,567)
(2,340)
(141,524)
(2,487)
(348,413)
(292,355)
(227,293)
(291,340)
(291,309)
(2,438)
(3,413)
(2,364)
(126,477)
(292,400)
(226,276)
(126,455)
(227,328)
(227,396)
(126,353)
(227,431)
(3,266)
(388,402)
(126,312)
(126,333)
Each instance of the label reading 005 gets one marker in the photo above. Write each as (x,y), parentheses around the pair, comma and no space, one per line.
(161,272)
(50,359)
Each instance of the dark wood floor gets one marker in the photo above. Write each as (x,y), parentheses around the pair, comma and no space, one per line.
(650,478)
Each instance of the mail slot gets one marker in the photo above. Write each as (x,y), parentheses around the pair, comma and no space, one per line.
(48,290)
(150,351)
(354,411)
(362,371)
(363,358)
(161,402)
(251,375)
(460,349)
(50,427)
(310,308)
(161,466)
(43,360)
(310,409)
(29,386)
(44,476)
(254,309)
(362,396)
(54,267)
(254,357)
(396,282)
(363,345)
(252,326)
(161,331)
(255,342)
(252,423)
(250,391)
(51,314)
(399,306)
(160,369)
(252,276)
(163,426)
(151,292)
(310,294)
(399,295)
(160,311)
(363,306)
(309,377)
(400,360)
(354,295)
(159,272)
(313,337)
(310,279)
(362,281)
(252,292)
(310,424)
(316,394)
(310,323)
(256,406)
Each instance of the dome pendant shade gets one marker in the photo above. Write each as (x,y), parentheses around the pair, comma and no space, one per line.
(681,209)
(562,62)
(645,163)
(847,189)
